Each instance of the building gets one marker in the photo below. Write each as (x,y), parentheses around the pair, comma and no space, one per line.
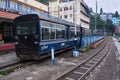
(75,11)
(10,9)
(106,16)
(23,6)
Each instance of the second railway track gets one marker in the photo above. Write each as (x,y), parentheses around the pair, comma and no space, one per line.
(81,71)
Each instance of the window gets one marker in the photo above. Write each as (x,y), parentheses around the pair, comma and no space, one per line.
(70,15)
(61,16)
(8,31)
(48,33)
(52,30)
(48,30)
(32,10)
(7,3)
(2,3)
(19,5)
(70,7)
(66,16)
(45,33)
(26,28)
(65,8)
(60,33)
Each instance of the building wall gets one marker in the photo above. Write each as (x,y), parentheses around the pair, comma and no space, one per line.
(24,6)
(35,4)
(85,19)
(106,16)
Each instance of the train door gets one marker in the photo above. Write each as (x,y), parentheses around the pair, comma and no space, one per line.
(8,32)
(68,33)
(81,35)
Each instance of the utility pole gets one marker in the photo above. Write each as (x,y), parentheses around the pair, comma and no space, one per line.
(75,52)
(96,17)
(75,18)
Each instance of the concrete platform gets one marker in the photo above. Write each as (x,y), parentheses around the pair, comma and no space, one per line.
(8,59)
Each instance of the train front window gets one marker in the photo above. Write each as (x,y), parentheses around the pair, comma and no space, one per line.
(26,28)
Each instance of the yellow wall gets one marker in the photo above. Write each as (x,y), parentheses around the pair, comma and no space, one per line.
(35,4)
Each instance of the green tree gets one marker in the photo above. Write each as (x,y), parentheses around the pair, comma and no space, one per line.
(44,1)
(116,14)
(92,22)
(109,26)
(100,24)
(91,10)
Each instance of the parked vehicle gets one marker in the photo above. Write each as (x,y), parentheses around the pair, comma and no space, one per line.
(35,36)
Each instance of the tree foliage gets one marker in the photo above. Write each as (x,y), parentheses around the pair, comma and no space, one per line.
(99,23)
(109,26)
(106,26)
(44,1)
(101,11)
(116,14)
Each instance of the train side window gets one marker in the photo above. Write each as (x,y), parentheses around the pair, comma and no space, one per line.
(45,33)
(60,34)
(53,32)
(48,33)
(48,30)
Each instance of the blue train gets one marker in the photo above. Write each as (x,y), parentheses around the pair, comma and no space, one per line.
(35,36)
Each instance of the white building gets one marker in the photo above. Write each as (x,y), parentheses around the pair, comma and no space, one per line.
(106,16)
(75,11)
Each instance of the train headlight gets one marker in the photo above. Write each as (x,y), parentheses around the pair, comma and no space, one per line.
(16,42)
(36,42)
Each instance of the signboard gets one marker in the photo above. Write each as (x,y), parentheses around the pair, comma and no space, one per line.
(114,20)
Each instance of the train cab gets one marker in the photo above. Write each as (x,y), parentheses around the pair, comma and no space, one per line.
(26,36)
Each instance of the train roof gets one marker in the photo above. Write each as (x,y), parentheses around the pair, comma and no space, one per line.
(49,18)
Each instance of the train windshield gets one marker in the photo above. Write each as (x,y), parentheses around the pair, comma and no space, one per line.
(26,28)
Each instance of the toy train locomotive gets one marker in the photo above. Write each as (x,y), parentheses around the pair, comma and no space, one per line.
(35,36)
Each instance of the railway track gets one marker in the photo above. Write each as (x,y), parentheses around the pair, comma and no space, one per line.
(17,63)
(13,66)
(81,71)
